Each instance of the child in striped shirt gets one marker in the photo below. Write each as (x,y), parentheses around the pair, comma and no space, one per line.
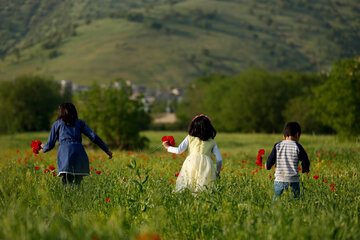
(286,155)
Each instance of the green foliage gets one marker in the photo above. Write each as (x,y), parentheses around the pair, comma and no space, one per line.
(255,100)
(114,116)
(28,103)
(338,99)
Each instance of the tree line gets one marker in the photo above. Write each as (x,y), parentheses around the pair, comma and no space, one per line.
(253,101)
(260,101)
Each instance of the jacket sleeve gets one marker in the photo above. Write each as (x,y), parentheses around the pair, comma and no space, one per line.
(219,161)
(94,138)
(303,157)
(182,147)
(52,138)
(271,159)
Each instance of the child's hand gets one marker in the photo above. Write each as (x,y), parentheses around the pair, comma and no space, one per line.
(110,154)
(166,144)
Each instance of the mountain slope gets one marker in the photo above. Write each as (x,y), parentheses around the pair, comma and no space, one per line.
(169,43)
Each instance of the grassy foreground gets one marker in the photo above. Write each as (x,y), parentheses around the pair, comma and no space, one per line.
(131,196)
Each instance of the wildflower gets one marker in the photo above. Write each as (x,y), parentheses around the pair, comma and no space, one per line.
(107,200)
(299,168)
(332,185)
(316,176)
(53,173)
(91,168)
(51,167)
(37,168)
(270,176)
(252,172)
(169,139)
(177,174)
(222,169)
(324,180)
(334,155)
(46,170)
(124,179)
(319,154)
(333,189)
(171,180)
(98,172)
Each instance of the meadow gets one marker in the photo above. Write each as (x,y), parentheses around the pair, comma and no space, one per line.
(131,196)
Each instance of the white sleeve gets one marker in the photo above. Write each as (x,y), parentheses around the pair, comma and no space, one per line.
(217,154)
(182,147)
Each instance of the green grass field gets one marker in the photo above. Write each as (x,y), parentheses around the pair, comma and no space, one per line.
(128,201)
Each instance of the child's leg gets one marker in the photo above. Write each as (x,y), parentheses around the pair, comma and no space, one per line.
(279,188)
(295,188)
(67,178)
(78,179)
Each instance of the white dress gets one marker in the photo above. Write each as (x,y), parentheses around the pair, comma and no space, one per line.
(198,171)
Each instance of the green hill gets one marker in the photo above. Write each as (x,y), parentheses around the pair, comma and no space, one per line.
(170,43)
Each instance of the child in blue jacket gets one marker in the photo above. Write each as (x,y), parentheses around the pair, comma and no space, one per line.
(72,160)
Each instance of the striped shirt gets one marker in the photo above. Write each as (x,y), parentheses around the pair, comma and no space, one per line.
(286,155)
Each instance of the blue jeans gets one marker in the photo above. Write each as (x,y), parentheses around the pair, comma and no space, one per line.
(279,187)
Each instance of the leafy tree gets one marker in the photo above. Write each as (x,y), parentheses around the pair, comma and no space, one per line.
(28,103)
(114,116)
(338,99)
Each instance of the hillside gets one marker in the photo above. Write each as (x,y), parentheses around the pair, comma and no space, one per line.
(170,43)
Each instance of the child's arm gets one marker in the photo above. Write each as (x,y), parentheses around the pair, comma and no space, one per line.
(217,154)
(177,150)
(271,159)
(52,138)
(96,139)
(303,157)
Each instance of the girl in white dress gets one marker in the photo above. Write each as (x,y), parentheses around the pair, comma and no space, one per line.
(198,171)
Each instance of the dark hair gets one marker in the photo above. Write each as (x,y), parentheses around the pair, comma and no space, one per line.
(291,129)
(67,113)
(202,128)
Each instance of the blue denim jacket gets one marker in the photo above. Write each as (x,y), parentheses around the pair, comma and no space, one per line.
(71,157)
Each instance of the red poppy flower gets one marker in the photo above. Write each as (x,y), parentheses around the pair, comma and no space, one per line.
(124,179)
(261,152)
(46,170)
(324,180)
(252,173)
(91,168)
(107,200)
(333,189)
(299,168)
(171,180)
(319,154)
(177,174)
(222,169)
(37,168)
(53,173)
(332,185)
(51,167)
(260,158)
(270,176)
(316,176)
(169,139)
(98,172)
(36,146)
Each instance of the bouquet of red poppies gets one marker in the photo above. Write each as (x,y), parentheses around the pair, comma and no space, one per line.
(36,146)
(260,157)
(169,139)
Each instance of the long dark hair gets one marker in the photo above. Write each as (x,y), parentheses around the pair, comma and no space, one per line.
(202,128)
(67,113)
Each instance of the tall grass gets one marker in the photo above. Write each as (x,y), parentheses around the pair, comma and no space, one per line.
(133,195)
